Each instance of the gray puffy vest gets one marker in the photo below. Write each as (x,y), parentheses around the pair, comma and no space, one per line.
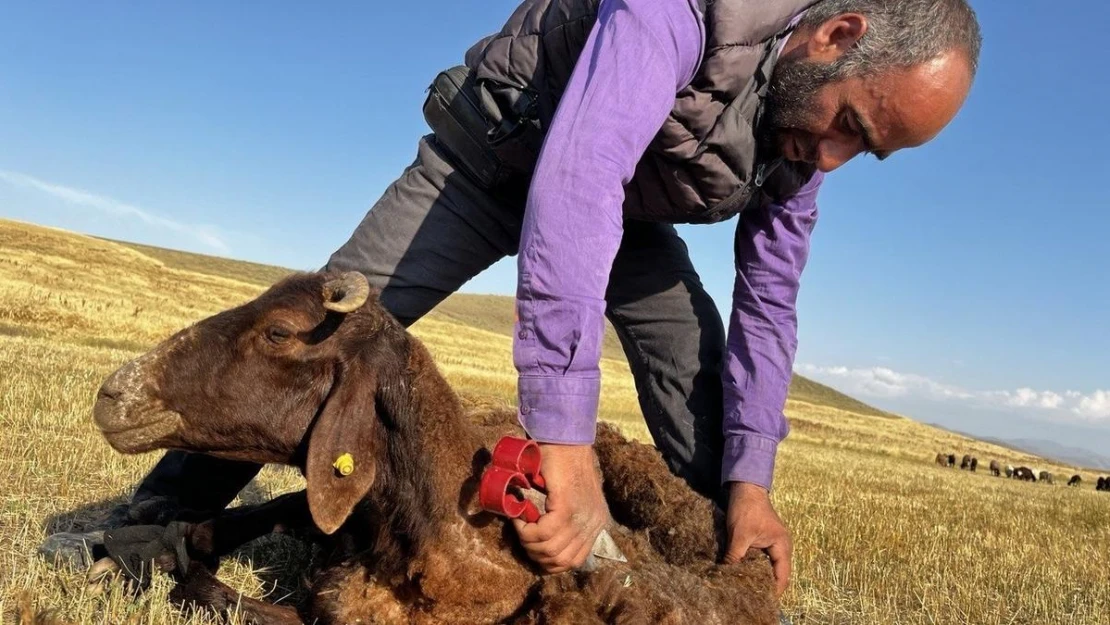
(703,165)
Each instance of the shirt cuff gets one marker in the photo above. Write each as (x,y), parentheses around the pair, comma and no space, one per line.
(749,458)
(559,410)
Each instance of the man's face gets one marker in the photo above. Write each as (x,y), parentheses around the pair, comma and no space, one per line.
(814,116)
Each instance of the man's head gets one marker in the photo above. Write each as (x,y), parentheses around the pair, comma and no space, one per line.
(870,76)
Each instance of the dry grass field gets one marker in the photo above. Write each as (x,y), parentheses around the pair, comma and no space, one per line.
(882,535)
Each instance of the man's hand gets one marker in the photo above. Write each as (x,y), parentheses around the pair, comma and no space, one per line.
(753,523)
(576,510)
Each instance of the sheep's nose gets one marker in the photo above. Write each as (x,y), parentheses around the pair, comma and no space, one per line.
(112,399)
(112,387)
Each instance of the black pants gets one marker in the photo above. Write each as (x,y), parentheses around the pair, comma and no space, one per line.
(433,229)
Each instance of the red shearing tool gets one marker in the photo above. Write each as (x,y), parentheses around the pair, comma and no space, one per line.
(515,466)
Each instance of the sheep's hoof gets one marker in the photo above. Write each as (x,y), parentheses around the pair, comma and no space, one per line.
(74,549)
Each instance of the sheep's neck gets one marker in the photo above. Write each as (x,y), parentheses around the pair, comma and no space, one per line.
(429,461)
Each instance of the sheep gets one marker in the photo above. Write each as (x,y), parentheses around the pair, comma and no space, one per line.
(315,370)
(951,460)
(1025,474)
(965,462)
(942,460)
(1075,480)
(1009,470)
(996,468)
(1102,484)
(1046,477)
(974,464)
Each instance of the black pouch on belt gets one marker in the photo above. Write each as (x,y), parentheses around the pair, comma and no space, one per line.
(456,117)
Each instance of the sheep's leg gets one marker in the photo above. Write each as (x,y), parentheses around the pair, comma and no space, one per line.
(217,537)
(200,589)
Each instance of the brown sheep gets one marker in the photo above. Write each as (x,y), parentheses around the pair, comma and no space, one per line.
(974,464)
(310,371)
(965,463)
(942,460)
(1046,477)
(1075,480)
(996,468)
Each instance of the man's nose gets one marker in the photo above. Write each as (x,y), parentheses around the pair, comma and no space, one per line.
(834,152)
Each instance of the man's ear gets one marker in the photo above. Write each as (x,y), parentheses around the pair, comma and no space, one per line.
(833,38)
(341,460)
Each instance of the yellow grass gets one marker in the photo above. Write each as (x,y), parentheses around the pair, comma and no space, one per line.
(881,534)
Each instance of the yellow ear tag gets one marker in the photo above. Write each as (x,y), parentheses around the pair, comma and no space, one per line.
(345,464)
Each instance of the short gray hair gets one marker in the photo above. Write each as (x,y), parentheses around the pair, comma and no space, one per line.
(902,33)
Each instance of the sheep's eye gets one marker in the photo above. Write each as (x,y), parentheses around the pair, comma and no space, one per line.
(278,334)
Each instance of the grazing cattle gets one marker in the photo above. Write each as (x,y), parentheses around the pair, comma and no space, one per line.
(1046,477)
(1075,481)
(996,468)
(1025,474)
(974,464)
(1009,470)
(965,463)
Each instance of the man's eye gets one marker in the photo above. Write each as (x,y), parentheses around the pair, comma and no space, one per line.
(850,125)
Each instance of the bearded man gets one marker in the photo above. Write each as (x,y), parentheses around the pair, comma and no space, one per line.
(575,138)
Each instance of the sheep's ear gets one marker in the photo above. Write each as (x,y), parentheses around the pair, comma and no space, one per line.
(340,466)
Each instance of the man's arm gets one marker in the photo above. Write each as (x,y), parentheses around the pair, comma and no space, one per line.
(638,55)
(771,250)
(772,247)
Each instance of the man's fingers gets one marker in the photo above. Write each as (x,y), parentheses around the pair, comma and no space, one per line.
(572,556)
(780,554)
(738,545)
(550,549)
(548,527)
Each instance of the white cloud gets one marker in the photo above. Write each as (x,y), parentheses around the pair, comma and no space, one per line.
(1027,397)
(207,235)
(883,382)
(1094,406)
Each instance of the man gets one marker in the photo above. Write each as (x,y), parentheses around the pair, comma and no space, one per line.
(609,121)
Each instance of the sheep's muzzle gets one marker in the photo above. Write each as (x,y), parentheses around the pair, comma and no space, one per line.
(129,417)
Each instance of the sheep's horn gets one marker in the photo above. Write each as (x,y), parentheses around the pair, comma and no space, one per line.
(347,292)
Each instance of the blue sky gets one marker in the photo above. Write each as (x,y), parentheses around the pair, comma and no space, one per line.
(941,283)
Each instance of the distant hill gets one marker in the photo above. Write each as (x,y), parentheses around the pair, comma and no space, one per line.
(487,312)
(1055,451)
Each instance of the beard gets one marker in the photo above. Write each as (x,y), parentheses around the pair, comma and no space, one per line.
(789,103)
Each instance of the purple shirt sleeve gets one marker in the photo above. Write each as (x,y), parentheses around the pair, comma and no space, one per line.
(639,54)
(772,246)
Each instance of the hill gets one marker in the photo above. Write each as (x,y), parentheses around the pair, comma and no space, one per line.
(1060,453)
(486,312)
(881,534)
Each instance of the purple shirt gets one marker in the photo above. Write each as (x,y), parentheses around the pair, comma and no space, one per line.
(638,56)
